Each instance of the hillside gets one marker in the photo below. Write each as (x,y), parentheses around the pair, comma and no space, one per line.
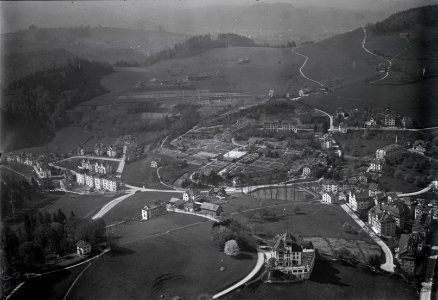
(268,68)
(39,49)
(339,60)
(410,40)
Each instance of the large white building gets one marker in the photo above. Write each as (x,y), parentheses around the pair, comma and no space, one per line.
(329,198)
(294,256)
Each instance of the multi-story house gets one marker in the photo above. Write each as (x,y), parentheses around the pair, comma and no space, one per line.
(382,222)
(110,183)
(359,201)
(157,208)
(306,170)
(329,198)
(89,179)
(294,256)
(390,153)
(329,186)
(80,178)
(377,165)
(389,120)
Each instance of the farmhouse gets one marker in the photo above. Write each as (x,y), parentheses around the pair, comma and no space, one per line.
(155,209)
(83,247)
(405,254)
(211,209)
(176,203)
(294,256)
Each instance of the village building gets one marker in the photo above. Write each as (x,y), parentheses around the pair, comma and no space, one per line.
(89,180)
(294,256)
(80,178)
(112,151)
(83,247)
(390,153)
(110,183)
(176,203)
(191,195)
(376,165)
(389,120)
(211,209)
(154,164)
(382,222)
(329,198)
(306,171)
(406,252)
(359,201)
(418,147)
(329,186)
(155,209)
(371,122)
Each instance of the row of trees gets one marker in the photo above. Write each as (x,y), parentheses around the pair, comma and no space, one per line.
(198,44)
(26,246)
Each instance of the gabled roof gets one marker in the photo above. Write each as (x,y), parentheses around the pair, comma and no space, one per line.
(210,206)
(82,244)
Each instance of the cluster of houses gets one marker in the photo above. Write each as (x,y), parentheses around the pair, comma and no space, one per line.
(40,164)
(387,214)
(191,201)
(103,150)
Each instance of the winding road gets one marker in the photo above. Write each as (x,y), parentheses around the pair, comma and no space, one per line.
(374,54)
(303,65)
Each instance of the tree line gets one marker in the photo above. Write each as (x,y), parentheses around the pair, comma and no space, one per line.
(198,44)
(15,193)
(35,106)
(26,246)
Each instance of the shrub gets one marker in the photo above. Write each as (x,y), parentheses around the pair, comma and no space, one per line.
(231,248)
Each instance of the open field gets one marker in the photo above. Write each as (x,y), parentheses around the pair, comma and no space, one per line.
(339,59)
(139,173)
(313,220)
(130,208)
(83,206)
(238,203)
(182,263)
(330,281)
(269,68)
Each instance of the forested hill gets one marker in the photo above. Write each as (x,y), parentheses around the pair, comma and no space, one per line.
(34,107)
(425,15)
(200,43)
